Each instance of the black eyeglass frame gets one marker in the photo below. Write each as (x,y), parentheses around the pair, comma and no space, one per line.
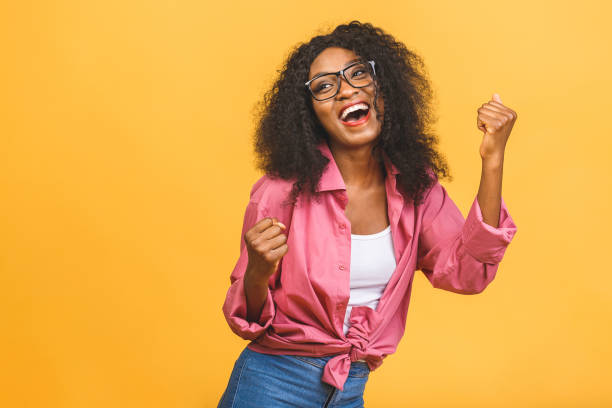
(337,74)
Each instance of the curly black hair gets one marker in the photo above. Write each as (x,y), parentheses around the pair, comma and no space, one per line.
(288,131)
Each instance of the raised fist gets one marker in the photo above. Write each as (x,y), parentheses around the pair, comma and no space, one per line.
(266,245)
(496,121)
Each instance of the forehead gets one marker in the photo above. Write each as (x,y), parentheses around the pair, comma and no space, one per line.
(330,60)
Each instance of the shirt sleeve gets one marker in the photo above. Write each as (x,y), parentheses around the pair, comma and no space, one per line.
(235,305)
(456,254)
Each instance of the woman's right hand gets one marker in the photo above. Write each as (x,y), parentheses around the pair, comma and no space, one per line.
(266,245)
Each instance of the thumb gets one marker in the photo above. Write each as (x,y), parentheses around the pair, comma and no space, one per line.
(496,98)
(275,221)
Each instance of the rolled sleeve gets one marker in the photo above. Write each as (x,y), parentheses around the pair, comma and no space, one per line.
(460,254)
(235,305)
(235,311)
(484,242)
(268,199)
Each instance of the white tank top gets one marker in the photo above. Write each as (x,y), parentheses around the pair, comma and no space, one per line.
(372,264)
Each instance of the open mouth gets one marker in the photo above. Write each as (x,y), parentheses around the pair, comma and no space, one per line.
(356,114)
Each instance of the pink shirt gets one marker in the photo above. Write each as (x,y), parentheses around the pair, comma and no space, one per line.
(308,295)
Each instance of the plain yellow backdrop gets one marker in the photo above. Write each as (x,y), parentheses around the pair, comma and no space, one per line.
(126,164)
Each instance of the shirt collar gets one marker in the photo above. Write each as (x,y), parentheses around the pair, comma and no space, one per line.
(332,178)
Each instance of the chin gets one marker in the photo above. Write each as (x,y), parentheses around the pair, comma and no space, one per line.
(356,141)
(354,137)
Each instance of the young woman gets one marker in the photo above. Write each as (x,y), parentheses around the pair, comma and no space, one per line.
(349,207)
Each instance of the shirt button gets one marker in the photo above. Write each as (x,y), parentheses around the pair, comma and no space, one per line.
(342,226)
(341,267)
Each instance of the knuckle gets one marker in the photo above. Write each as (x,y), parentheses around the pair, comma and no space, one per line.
(257,245)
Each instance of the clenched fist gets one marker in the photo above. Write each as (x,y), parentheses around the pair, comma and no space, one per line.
(496,121)
(266,245)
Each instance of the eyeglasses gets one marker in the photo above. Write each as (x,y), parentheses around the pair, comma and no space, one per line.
(358,75)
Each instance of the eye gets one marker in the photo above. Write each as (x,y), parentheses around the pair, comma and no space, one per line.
(322,86)
(358,72)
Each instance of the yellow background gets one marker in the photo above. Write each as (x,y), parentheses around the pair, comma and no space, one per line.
(126,165)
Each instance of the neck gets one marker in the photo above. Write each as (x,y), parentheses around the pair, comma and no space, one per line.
(359,167)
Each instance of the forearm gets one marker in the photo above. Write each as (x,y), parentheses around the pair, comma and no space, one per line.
(256,292)
(490,189)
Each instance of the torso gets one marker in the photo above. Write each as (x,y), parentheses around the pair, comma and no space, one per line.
(367,210)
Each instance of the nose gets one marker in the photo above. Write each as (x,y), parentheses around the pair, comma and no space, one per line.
(346,90)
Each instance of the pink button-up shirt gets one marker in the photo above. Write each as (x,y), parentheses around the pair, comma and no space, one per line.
(308,295)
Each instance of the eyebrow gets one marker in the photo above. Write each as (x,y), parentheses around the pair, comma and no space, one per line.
(346,65)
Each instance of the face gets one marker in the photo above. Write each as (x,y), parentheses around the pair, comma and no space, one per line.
(361,127)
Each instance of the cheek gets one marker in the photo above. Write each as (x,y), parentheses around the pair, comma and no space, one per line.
(322,113)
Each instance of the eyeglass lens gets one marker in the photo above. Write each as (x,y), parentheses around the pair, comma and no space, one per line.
(326,86)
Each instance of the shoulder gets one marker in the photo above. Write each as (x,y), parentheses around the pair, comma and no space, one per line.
(271,194)
(269,189)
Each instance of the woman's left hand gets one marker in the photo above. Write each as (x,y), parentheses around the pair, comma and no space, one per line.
(496,121)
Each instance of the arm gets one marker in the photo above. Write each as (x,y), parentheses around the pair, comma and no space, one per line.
(249,306)
(256,293)
(266,245)
(489,191)
(463,256)
(496,121)
(236,307)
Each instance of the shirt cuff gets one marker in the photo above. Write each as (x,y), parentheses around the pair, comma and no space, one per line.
(484,242)
(235,311)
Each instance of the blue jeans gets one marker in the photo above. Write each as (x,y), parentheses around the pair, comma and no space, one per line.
(277,381)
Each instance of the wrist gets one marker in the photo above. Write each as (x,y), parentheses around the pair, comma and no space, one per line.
(493,162)
(254,278)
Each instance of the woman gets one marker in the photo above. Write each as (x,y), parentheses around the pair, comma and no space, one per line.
(350,206)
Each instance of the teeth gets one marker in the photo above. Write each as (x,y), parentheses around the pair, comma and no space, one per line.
(353,108)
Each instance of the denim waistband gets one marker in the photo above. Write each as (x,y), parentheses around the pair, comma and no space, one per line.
(358,368)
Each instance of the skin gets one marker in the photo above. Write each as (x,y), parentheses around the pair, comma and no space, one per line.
(496,121)
(266,245)
(352,146)
(363,174)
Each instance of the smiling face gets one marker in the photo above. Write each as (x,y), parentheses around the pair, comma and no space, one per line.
(359,125)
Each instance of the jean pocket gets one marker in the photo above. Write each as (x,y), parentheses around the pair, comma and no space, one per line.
(314,361)
(359,369)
